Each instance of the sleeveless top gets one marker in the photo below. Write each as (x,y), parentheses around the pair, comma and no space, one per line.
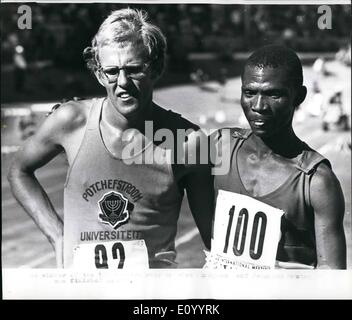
(297,242)
(107,199)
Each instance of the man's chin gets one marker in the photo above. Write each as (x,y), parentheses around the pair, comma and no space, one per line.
(126,108)
(262,133)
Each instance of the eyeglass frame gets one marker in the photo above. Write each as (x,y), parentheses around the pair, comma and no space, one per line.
(103,75)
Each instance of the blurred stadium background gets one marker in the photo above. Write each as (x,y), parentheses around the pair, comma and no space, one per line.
(53,47)
(207,44)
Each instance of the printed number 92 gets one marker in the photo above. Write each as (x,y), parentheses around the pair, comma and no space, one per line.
(101,256)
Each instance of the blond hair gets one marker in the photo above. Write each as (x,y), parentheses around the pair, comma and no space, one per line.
(126,26)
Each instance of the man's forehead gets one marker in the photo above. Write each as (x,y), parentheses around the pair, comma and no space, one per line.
(276,75)
(130,49)
(126,45)
(262,70)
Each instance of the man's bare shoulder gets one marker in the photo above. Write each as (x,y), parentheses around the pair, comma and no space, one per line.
(70,115)
(325,190)
(323,178)
(64,121)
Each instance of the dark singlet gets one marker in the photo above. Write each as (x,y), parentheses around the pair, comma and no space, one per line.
(114,210)
(297,242)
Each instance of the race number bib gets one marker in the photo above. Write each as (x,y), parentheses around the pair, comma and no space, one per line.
(111,255)
(246,233)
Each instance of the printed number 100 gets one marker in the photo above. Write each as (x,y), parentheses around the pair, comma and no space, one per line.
(242,222)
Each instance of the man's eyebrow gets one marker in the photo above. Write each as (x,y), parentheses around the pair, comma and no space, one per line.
(248,85)
(125,65)
(276,89)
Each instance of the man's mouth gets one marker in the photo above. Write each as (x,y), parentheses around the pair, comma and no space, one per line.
(124,96)
(259,122)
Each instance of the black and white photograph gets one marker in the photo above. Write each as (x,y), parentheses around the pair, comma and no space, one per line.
(178,150)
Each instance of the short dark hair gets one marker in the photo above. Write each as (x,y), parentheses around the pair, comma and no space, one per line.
(274,56)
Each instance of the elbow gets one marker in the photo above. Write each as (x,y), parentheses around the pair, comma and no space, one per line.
(11,173)
(14,173)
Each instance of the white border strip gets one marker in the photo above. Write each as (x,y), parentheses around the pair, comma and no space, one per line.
(175,284)
(248,2)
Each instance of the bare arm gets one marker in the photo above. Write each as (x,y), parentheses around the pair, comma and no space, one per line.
(200,186)
(329,208)
(200,194)
(37,151)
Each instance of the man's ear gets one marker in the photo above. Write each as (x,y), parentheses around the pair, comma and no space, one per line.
(300,96)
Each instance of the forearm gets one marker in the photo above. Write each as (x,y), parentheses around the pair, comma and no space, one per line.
(32,197)
(331,249)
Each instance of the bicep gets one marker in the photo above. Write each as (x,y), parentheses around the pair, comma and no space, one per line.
(200,194)
(197,172)
(329,206)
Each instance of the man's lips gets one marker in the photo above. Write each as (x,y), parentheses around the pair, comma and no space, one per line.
(259,122)
(124,95)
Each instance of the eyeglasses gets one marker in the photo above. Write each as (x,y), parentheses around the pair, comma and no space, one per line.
(111,73)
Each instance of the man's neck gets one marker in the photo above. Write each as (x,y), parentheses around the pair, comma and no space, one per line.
(119,122)
(284,143)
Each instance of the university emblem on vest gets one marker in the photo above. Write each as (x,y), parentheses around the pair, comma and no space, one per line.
(113,206)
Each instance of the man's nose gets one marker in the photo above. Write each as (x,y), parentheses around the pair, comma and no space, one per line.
(259,104)
(122,79)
